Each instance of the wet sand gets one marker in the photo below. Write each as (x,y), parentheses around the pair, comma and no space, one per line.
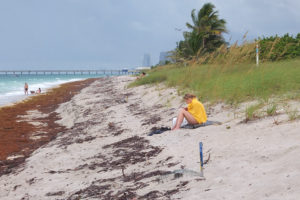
(101,150)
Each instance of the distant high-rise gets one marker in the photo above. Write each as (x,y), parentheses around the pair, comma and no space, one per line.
(147,60)
(164,57)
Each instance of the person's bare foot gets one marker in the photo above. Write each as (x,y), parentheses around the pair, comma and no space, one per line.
(175,128)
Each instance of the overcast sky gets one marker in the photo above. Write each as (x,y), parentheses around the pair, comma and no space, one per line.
(117,33)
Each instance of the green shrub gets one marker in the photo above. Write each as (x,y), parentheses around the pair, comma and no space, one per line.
(279,48)
(252,112)
(271,110)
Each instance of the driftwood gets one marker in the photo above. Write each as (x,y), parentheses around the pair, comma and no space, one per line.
(206,161)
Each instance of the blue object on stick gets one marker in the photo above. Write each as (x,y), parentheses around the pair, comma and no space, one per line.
(201,154)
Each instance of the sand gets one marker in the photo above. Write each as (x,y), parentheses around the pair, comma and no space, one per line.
(105,153)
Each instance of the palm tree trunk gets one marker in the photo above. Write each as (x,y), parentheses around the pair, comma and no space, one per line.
(203,43)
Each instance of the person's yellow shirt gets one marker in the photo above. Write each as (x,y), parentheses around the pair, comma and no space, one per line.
(196,108)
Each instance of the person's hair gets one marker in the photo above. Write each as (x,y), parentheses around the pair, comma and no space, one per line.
(189,96)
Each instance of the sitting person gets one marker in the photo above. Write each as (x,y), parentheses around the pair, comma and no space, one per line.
(141,75)
(193,114)
(38,91)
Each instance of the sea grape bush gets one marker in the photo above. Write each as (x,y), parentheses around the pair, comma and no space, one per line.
(276,48)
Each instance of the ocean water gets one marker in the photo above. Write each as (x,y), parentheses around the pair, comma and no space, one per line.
(12,86)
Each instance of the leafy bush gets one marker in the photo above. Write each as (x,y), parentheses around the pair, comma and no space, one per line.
(279,48)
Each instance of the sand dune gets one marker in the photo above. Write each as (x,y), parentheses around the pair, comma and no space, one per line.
(105,152)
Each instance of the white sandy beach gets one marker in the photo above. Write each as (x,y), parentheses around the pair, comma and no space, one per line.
(106,153)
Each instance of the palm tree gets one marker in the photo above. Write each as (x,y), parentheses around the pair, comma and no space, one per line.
(207,25)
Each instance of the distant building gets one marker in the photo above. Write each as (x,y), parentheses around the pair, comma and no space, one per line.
(147,60)
(164,57)
(143,68)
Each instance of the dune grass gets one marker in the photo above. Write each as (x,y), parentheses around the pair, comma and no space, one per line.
(231,83)
(271,110)
(252,111)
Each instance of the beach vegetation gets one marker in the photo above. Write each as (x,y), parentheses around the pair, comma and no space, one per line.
(276,47)
(206,65)
(271,110)
(204,35)
(293,114)
(231,83)
(252,112)
(204,43)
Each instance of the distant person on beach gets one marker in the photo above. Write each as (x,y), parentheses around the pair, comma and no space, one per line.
(194,113)
(38,91)
(141,75)
(26,88)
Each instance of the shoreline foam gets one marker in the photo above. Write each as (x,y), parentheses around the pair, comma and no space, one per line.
(16,96)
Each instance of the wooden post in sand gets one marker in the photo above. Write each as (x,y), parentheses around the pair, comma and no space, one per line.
(201,158)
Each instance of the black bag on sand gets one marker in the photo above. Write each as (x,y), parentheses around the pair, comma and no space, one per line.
(158,130)
(207,123)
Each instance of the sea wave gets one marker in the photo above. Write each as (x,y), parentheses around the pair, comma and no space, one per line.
(12,91)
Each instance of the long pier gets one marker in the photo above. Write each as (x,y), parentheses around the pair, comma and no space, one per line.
(68,72)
